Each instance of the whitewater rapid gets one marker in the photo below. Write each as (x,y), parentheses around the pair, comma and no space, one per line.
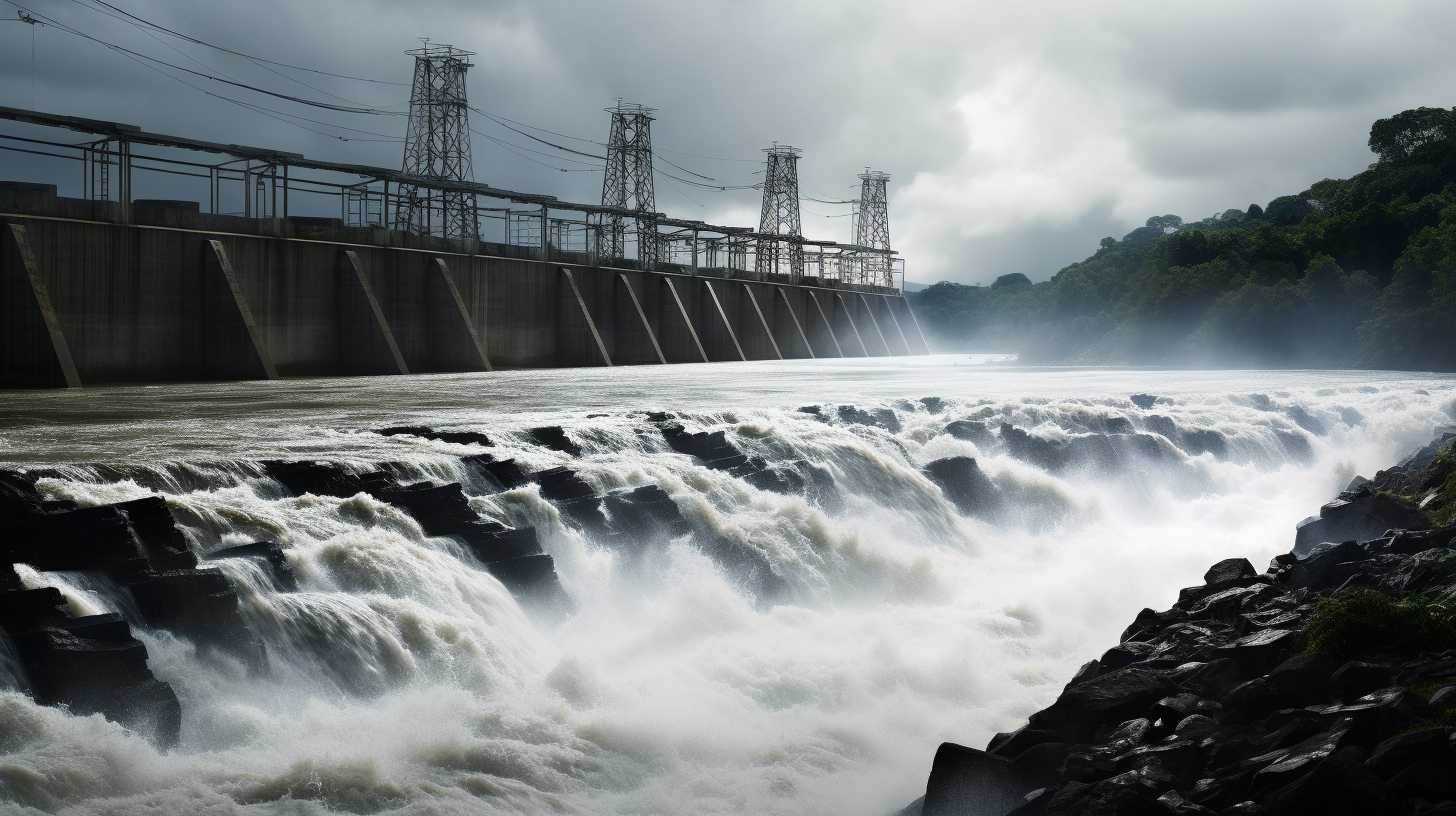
(401,678)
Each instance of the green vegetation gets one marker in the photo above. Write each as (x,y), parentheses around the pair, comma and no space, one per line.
(1354,272)
(1362,622)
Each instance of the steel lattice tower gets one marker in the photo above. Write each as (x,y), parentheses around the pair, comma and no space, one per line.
(780,215)
(437,146)
(873,227)
(627,182)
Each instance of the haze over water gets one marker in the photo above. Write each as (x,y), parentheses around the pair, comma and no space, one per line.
(402,678)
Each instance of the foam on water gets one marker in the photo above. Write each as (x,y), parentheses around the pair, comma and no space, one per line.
(402,678)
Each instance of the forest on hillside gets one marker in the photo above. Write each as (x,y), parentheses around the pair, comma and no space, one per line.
(1359,272)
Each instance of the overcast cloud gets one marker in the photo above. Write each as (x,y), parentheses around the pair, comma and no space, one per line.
(1017,134)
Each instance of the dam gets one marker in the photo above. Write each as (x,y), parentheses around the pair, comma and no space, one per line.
(107,287)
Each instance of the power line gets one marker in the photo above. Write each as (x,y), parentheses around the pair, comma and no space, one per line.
(537,138)
(148,30)
(254,57)
(288,97)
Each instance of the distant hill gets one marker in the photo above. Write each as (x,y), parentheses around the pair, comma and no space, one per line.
(911,286)
(1353,272)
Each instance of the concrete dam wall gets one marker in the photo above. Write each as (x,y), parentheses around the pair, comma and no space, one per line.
(177,296)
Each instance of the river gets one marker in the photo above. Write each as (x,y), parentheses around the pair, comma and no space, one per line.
(403,679)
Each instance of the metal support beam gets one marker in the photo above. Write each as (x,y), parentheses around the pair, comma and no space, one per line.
(722,315)
(456,303)
(890,310)
(687,321)
(383,334)
(219,301)
(642,316)
(875,321)
(586,313)
(30,323)
(795,318)
(762,321)
(847,316)
(915,321)
(833,337)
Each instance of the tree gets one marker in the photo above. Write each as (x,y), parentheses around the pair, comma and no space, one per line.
(1288,210)
(1166,223)
(1011,280)
(1410,132)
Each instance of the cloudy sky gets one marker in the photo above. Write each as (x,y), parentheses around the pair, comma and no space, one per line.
(1017,134)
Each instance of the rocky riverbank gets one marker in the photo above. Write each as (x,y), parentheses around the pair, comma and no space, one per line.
(1324,685)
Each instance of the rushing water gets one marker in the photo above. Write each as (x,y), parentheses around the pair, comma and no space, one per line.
(403,680)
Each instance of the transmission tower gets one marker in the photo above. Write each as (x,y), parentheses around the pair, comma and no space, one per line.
(627,182)
(780,214)
(437,146)
(873,227)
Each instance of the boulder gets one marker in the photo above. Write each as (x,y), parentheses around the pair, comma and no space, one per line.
(1260,652)
(963,483)
(878,417)
(199,604)
(1228,571)
(532,578)
(1110,697)
(1358,678)
(499,474)
(1143,401)
(964,780)
(1044,453)
(93,665)
(555,438)
(1356,517)
(452,437)
(1337,785)
(971,431)
(1204,440)
(269,554)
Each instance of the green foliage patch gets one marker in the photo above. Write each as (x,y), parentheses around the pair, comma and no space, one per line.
(1359,623)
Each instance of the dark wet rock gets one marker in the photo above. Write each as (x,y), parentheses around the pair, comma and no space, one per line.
(498,545)
(1113,696)
(452,437)
(1337,785)
(1162,425)
(1203,440)
(1127,794)
(877,417)
(1173,803)
(269,554)
(93,665)
(1358,678)
(440,509)
(1044,453)
(970,430)
(500,474)
(964,780)
(1325,566)
(1144,401)
(1263,650)
(199,604)
(1295,445)
(933,405)
(963,483)
(1228,571)
(555,438)
(163,544)
(1017,742)
(530,577)
(562,484)
(1358,516)
(323,479)
(91,538)
(709,447)
(1399,752)
(1196,726)
(1305,420)
(643,514)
